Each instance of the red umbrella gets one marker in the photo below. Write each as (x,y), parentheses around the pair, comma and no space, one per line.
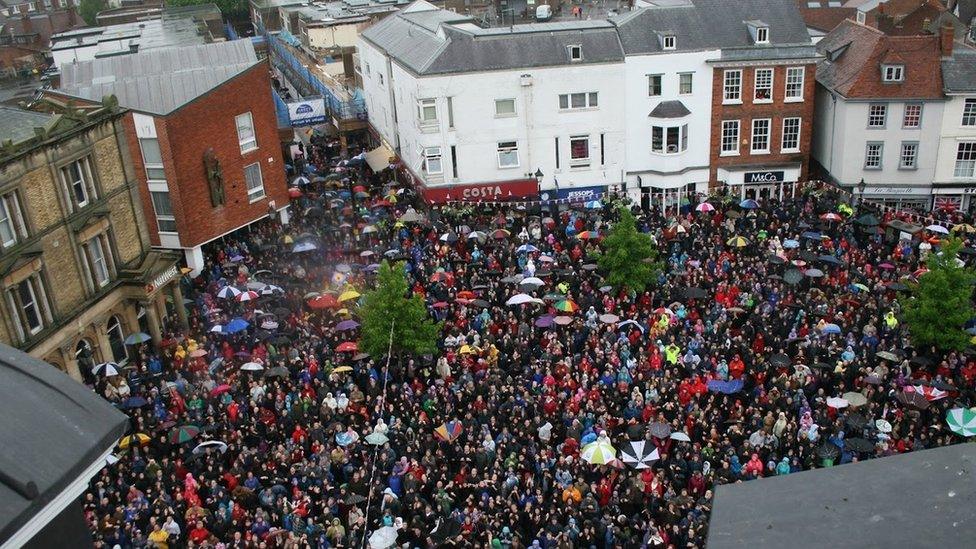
(382,204)
(219,390)
(347,347)
(442,276)
(324,301)
(466,294)
(294,192)
(440,305)
(359,189)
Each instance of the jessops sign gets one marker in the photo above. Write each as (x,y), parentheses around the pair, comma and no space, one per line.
(581,194)
(307,112)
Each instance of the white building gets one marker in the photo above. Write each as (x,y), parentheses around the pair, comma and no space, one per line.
(954,185)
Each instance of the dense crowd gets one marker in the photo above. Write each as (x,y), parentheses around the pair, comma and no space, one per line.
(263,425)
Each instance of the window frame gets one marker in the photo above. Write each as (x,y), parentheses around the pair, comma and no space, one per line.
(673,39)
(422,105)
(427,158)
(799,130)
(651,85)
(258,192)
(918,117)
(766,86)
(163,217)
(681,83)
(150,166)
(872,116)
(246,144)
(12,214)
(98,258)
(968,112)
(575,52)
(504,148)
(590,101)
(914,156)
(867,155)
(970,153)
(762,35)
(796,82)
(38,294)
(893,73)
(722,151)
(679,141)
(87,180)
(579,162)
(767,136)
(506,114)
(737,74)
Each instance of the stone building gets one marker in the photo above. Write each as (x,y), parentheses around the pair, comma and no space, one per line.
(77,274)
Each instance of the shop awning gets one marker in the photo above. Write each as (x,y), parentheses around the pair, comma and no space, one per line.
(380,158)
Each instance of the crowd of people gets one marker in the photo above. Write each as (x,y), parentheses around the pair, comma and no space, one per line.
(771,343)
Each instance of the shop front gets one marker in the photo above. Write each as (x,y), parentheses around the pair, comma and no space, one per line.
(761,182)
(954,198)
(501,191)
(900,197)
(573,196)
(669,193)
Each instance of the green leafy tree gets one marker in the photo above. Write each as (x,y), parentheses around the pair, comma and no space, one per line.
(941,301)
(629,256)
(388,304)
(88,9)
(228,8)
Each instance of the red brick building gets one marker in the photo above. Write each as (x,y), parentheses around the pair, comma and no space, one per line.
(762,117)
(202,136)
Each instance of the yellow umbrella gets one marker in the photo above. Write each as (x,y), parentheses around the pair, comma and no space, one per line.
(138,439)
(342,311)
(185,270)
(738,241)
(287,239)
(347,295)
(341,369)
(964,227)
(468,350)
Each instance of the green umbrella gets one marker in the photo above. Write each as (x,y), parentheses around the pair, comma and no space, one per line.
(962,421)
(183,433)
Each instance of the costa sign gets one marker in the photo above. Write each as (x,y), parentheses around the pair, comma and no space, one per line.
(483,192)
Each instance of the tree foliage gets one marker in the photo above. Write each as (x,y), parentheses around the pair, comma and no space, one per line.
(88,9)
(228,8)
(629,256)
(941,301)
(388,303)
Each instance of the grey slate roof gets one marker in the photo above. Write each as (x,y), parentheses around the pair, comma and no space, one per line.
(53,429)
(710,24)
(959,71)
(670,109)
(917,499)
(159,81)
(18,124)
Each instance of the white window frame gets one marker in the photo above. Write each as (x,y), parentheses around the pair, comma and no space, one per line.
(666,147)
(762,35)
(873,116)
(892,73)
(150,167)
(86,181)
(650,85)
(247,143)
(504,151)
(98,257)
(670,42)
(765,85)
(869,163)
(736,86)
(729,137)
(433,154)
(787,122)
(793,86)
(916,117)
(38,302)
(12,216)
(681,83)
(115,324)
(163,220)
(256,192)
(575,52)
(499,114)
(766,135)
(965,166)
(580,161)
(590,101)
(427,111)
(912,164)
(969,112)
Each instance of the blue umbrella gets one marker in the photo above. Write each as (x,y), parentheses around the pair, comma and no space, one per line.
(343,439)
(137,338)
(790,244)
(811,235)
(830,329)
(235,325)
(725,387)
(526,248)
(134,402)
(749,204)
(593,205)
(304,247)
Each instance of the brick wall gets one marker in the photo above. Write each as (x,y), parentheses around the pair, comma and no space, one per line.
(209,122)
(747,111)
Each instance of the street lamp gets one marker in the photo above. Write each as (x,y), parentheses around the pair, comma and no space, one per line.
(860,190)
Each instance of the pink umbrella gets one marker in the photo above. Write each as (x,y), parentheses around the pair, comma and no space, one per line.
(886,266)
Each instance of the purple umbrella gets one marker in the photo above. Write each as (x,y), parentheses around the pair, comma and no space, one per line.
(543,321)
(347,325)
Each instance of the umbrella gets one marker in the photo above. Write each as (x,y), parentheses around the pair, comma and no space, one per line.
(608,318)
(857,421)
(519,299)
(137,338)
(811,235)
(183,433)
(639,454)
(411,216)
(683,437)
(137,439)
(532,281)
(566,306)
(838,403)
(377,439)
(792,276)
(598,452)
(383,538)
(563,320)
(748,204)
(964,227)
(347,325)
(780,360)
(830,329)
(916,400)
(828,451)
(633,323)
(324,301)
(480,303)
(219,390)
(704,207)
(855,399)
(450,431)
(342,369)
(790,244)
(348,295)
(249,295)
(107,369)
(882,426)
(252,367)
(277,371)
(228,292)
(544,321)
(343,439)
(930,393)
(526,248)
(937,229)
(133,402)
(738,241)
(449,237)
(813,273)
(347,347)
(695,293)
(500,234)
(962,421)
(305,246)
(235,325)
(659,430)
(592,205)
(725,387)
(831,216)
(588,235)
(833,260)
(858,444)
(204,446)
(887,355)
(868,220)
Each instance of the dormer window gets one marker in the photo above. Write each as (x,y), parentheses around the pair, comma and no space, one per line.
(762,35)
(575,53)
(670,41)
(861,17)
(893,73)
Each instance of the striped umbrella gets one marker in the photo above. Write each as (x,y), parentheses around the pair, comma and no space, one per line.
(183,433)
(137,439)
(639,454)
(567,306)
(962,421)
(450,431)
(599,452)
(738,241)
(107,369)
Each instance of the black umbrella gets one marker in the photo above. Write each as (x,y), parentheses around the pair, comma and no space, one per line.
(278,371)
(916,400)
(354,499)
(695,293)
(828,451)
(833,260)
(897,286)
(807,255)
(775,259)
(589,267)
(922,361)
(659,430)
(858,444)
(822,366)
(792,276)
(857,421)
(867,220)
(780,360)
(480,303)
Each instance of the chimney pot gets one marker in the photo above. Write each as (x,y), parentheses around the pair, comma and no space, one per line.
(946,37)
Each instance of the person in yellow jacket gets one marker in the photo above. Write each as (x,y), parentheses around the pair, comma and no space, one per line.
(890,321)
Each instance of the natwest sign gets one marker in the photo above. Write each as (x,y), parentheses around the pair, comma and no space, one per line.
(483,192)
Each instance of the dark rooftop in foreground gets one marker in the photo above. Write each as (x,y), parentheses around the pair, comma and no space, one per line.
(55,433)
(920,499)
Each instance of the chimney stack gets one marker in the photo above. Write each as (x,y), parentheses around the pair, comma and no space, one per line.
(946,37)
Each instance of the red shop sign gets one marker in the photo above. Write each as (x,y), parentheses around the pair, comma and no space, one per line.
(483,192)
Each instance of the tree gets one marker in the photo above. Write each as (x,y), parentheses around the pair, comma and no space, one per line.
(87,9)
(941,301)
(629,257)
(413,330)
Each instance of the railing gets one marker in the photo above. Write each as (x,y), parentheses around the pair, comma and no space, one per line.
(281,111)
(310,85)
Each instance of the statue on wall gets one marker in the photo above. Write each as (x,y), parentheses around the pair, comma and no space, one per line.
(215,178)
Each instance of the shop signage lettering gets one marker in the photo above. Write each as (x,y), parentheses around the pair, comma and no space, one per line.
(482,192)
(969,190)
(163,278)
(764,177)
(581,194)
(894,190)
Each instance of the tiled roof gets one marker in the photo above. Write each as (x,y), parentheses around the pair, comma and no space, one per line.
(824,17)
(854,54)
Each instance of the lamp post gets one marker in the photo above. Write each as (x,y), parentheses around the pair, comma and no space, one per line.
(538,183)
(860,189)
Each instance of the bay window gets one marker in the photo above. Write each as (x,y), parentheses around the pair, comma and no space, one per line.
(669,139)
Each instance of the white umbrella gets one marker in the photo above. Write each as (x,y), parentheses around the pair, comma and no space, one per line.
(383,538)
(599,452)
(678,435)
(255,285)
(217,328)
(835,402)
(377,438)
(519,299)
(252,367)
(532,281)
(883,426)
(107,369)
(204,446)
(639,454)
(228,292)
(938,229)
